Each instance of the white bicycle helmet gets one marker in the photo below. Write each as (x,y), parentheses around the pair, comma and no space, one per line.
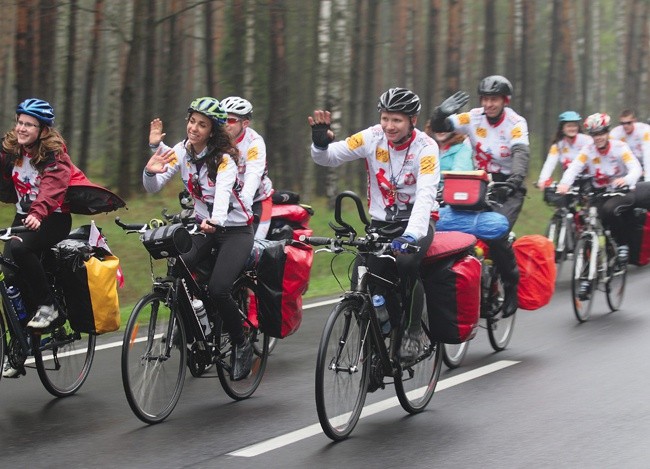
(597,123)
(237,105)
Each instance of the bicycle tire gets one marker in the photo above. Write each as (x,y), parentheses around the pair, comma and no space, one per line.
(555,233)
(3,343)
(499,329)
(153,365)
(454,354)
(616,280)
(63,357)
(416,383)
(582,303)
(242,389)
(341,370)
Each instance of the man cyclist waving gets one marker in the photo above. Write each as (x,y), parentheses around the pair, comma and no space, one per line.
(499,138)
(403,175)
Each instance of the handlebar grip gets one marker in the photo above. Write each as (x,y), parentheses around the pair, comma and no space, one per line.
(315,240)
(130,226)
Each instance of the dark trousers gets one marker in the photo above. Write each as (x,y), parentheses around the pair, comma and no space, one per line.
(406,268)
(617,213)
(234,246)
(501,249)
(27,252)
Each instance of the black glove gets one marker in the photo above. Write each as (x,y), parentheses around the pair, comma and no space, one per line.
(320,136)
(515,181)
(452,104)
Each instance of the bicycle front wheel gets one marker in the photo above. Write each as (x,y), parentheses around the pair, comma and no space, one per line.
(63,358)
(582,286)
(499,329)
(244,388)
(454,354)
(341,371)
(153,358)
(416,383)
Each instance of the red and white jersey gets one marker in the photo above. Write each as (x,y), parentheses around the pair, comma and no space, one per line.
(217,200)
(638,140)
(26,180)
(564,151)
(492,143)
(253,170)
(402,180)
(616,161)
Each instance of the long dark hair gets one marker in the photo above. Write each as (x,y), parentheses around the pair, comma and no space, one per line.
(219,143)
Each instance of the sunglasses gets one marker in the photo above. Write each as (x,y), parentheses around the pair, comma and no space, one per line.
(626,122)
(233,120)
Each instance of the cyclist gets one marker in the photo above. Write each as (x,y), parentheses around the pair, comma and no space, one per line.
(207,162)
(566,145)
(253,169)
(499,138)
(403,174)
(36,171)
(612,165)
(636,135)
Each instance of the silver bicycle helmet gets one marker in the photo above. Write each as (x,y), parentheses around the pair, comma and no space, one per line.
(237,105)
(400,100)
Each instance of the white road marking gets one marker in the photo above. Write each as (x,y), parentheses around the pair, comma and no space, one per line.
(119,343)
(315,429)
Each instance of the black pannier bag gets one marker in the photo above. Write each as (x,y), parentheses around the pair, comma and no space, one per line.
(167,241)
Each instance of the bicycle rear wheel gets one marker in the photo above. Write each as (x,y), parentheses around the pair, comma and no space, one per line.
(453,354)
(153,358)
(416,383)
(341,371)
(583,288)
(499,329)
(244,388)
(63,357)
(615,286)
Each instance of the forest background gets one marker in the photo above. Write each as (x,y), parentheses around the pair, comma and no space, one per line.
(109,67)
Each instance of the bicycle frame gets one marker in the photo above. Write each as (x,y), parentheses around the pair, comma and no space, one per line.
(11,317)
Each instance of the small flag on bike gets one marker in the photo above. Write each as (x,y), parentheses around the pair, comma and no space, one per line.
(97,240)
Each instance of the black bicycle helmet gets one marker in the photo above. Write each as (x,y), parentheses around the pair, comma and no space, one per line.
(41,110)
(400,100)
(495,85)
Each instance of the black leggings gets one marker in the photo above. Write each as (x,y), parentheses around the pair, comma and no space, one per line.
(31,279)
(234,246)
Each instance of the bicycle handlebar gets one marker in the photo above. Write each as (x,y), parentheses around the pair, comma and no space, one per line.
(7,233)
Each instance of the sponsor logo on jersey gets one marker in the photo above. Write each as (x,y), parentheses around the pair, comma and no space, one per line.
(382,155)
(224,163)
(355,141)
(427,164)
(481,132)
(516,132)
(252,154)
(463,119)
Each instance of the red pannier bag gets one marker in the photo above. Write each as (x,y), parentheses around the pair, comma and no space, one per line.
(290,221)
(282,278)
(452,284)
(640,238)
(465,190)
(535,256)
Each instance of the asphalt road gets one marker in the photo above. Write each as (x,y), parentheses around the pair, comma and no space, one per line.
(561,395)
